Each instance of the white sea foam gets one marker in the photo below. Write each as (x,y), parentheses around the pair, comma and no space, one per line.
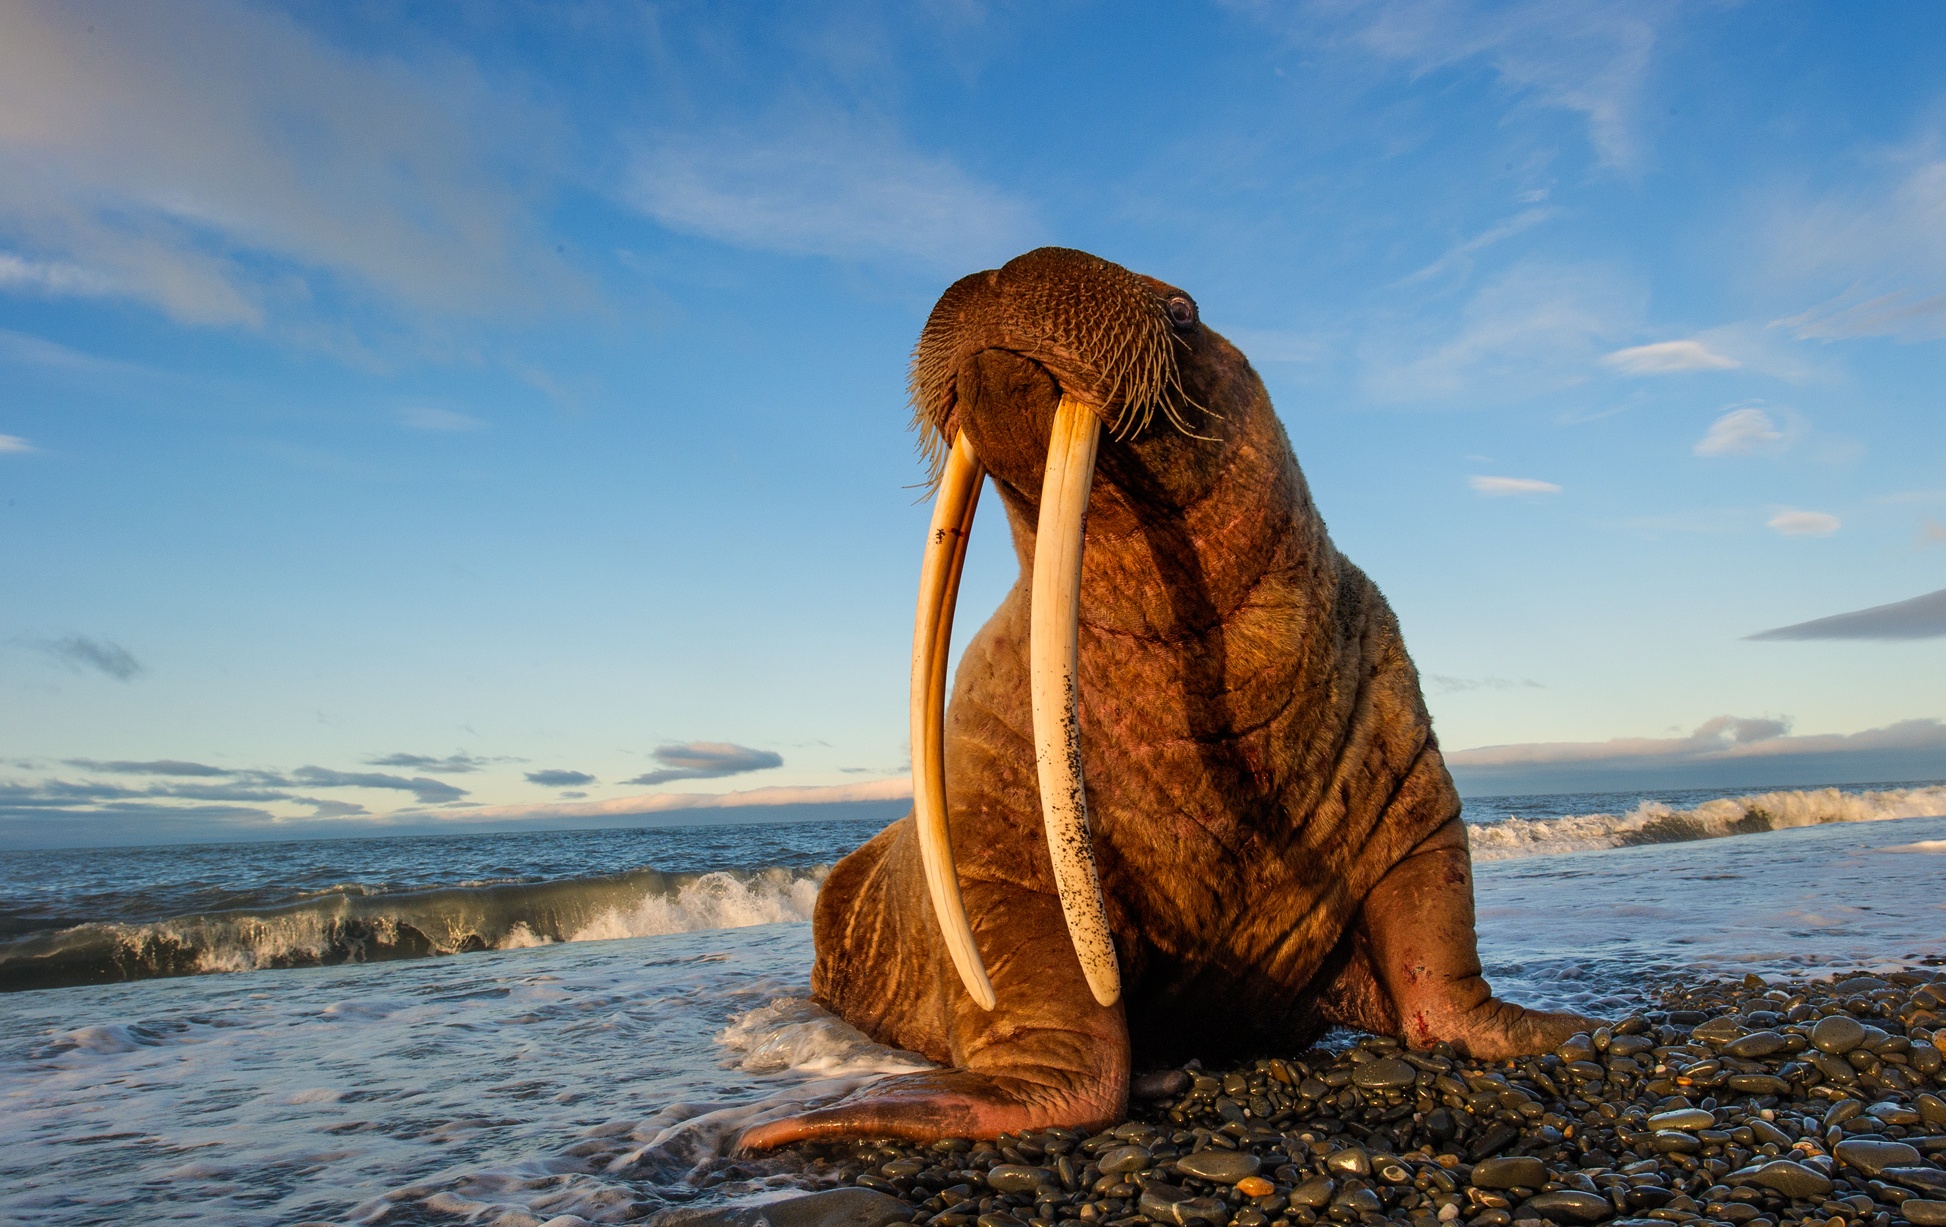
(711,901)
(1653,822)
(1924,845)
(792,1033)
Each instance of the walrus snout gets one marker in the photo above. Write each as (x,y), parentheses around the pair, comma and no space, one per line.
(1108,337)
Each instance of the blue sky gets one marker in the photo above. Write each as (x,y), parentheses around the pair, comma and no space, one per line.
(480,412)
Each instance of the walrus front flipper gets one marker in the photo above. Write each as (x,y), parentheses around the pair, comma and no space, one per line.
(1415,972)
(1047,1054)
(948,1103)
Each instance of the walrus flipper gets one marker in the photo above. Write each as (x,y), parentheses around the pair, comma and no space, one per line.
(1415,970)
(1047,1054)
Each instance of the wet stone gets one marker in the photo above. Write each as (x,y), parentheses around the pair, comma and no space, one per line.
(1689,1119)
(1926,1181)
(1122,1160)
(1017,1178)
(1570,1206)
(1838,1034)
(1793,1180)
(1360,1201)
(1676,1141)
(1718,1030)
(1921,1212)
(1315,1193)
(1165,1203)
(1872,1157)
(1219,1166)
(1383,1074)
(1351,1161)
(1754,1045)
(1514,1171)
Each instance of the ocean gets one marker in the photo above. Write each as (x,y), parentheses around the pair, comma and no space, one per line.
(568,1027)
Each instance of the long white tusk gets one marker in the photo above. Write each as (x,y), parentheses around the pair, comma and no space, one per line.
(932,637)
(1053,666)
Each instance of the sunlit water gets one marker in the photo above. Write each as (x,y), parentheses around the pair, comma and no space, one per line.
(600,1078)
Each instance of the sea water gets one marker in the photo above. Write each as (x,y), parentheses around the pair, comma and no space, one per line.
(269,1034)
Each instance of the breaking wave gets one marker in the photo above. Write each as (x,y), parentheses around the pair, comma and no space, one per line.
(356,927)
(1656,822)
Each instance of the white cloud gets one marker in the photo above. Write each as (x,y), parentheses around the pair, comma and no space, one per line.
(828,185)
(14,443)
(433,418)
(18,273)
(1738,433)
(223,164)
(1588,59)
(1536,328)
(1804,523)
(1501,487)
(1667,358)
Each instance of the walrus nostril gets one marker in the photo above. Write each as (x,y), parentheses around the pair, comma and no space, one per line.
(1182,312)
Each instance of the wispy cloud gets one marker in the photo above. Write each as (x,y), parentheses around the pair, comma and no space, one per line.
(223,163)
(1458,259)
(14,443)
(1875,247)
(1535,328)
(1792,523)
(1667,358)
(707,760)
(827,184)
(79,652)
(1502,487)
(433,418)
(559,779)
(1897,314)
(1922,617)
(1590,60)
(1739,432)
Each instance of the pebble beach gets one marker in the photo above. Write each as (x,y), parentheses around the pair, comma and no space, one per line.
(1745,1102)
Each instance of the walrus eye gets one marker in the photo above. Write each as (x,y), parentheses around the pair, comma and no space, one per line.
(1182,312)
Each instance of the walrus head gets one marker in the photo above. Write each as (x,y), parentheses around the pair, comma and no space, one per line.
(1037,360)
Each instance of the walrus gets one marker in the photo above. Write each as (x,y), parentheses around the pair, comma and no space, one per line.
(1187,799)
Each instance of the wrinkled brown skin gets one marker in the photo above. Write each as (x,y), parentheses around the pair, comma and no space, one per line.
(1278,837)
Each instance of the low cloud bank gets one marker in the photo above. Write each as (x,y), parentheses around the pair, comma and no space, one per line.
(186,802)
(1727,751)
(1922,617)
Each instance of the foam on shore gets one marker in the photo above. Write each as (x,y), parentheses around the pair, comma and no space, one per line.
(1654,822)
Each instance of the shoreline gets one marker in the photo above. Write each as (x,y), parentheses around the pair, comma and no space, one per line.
(1745,1103)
